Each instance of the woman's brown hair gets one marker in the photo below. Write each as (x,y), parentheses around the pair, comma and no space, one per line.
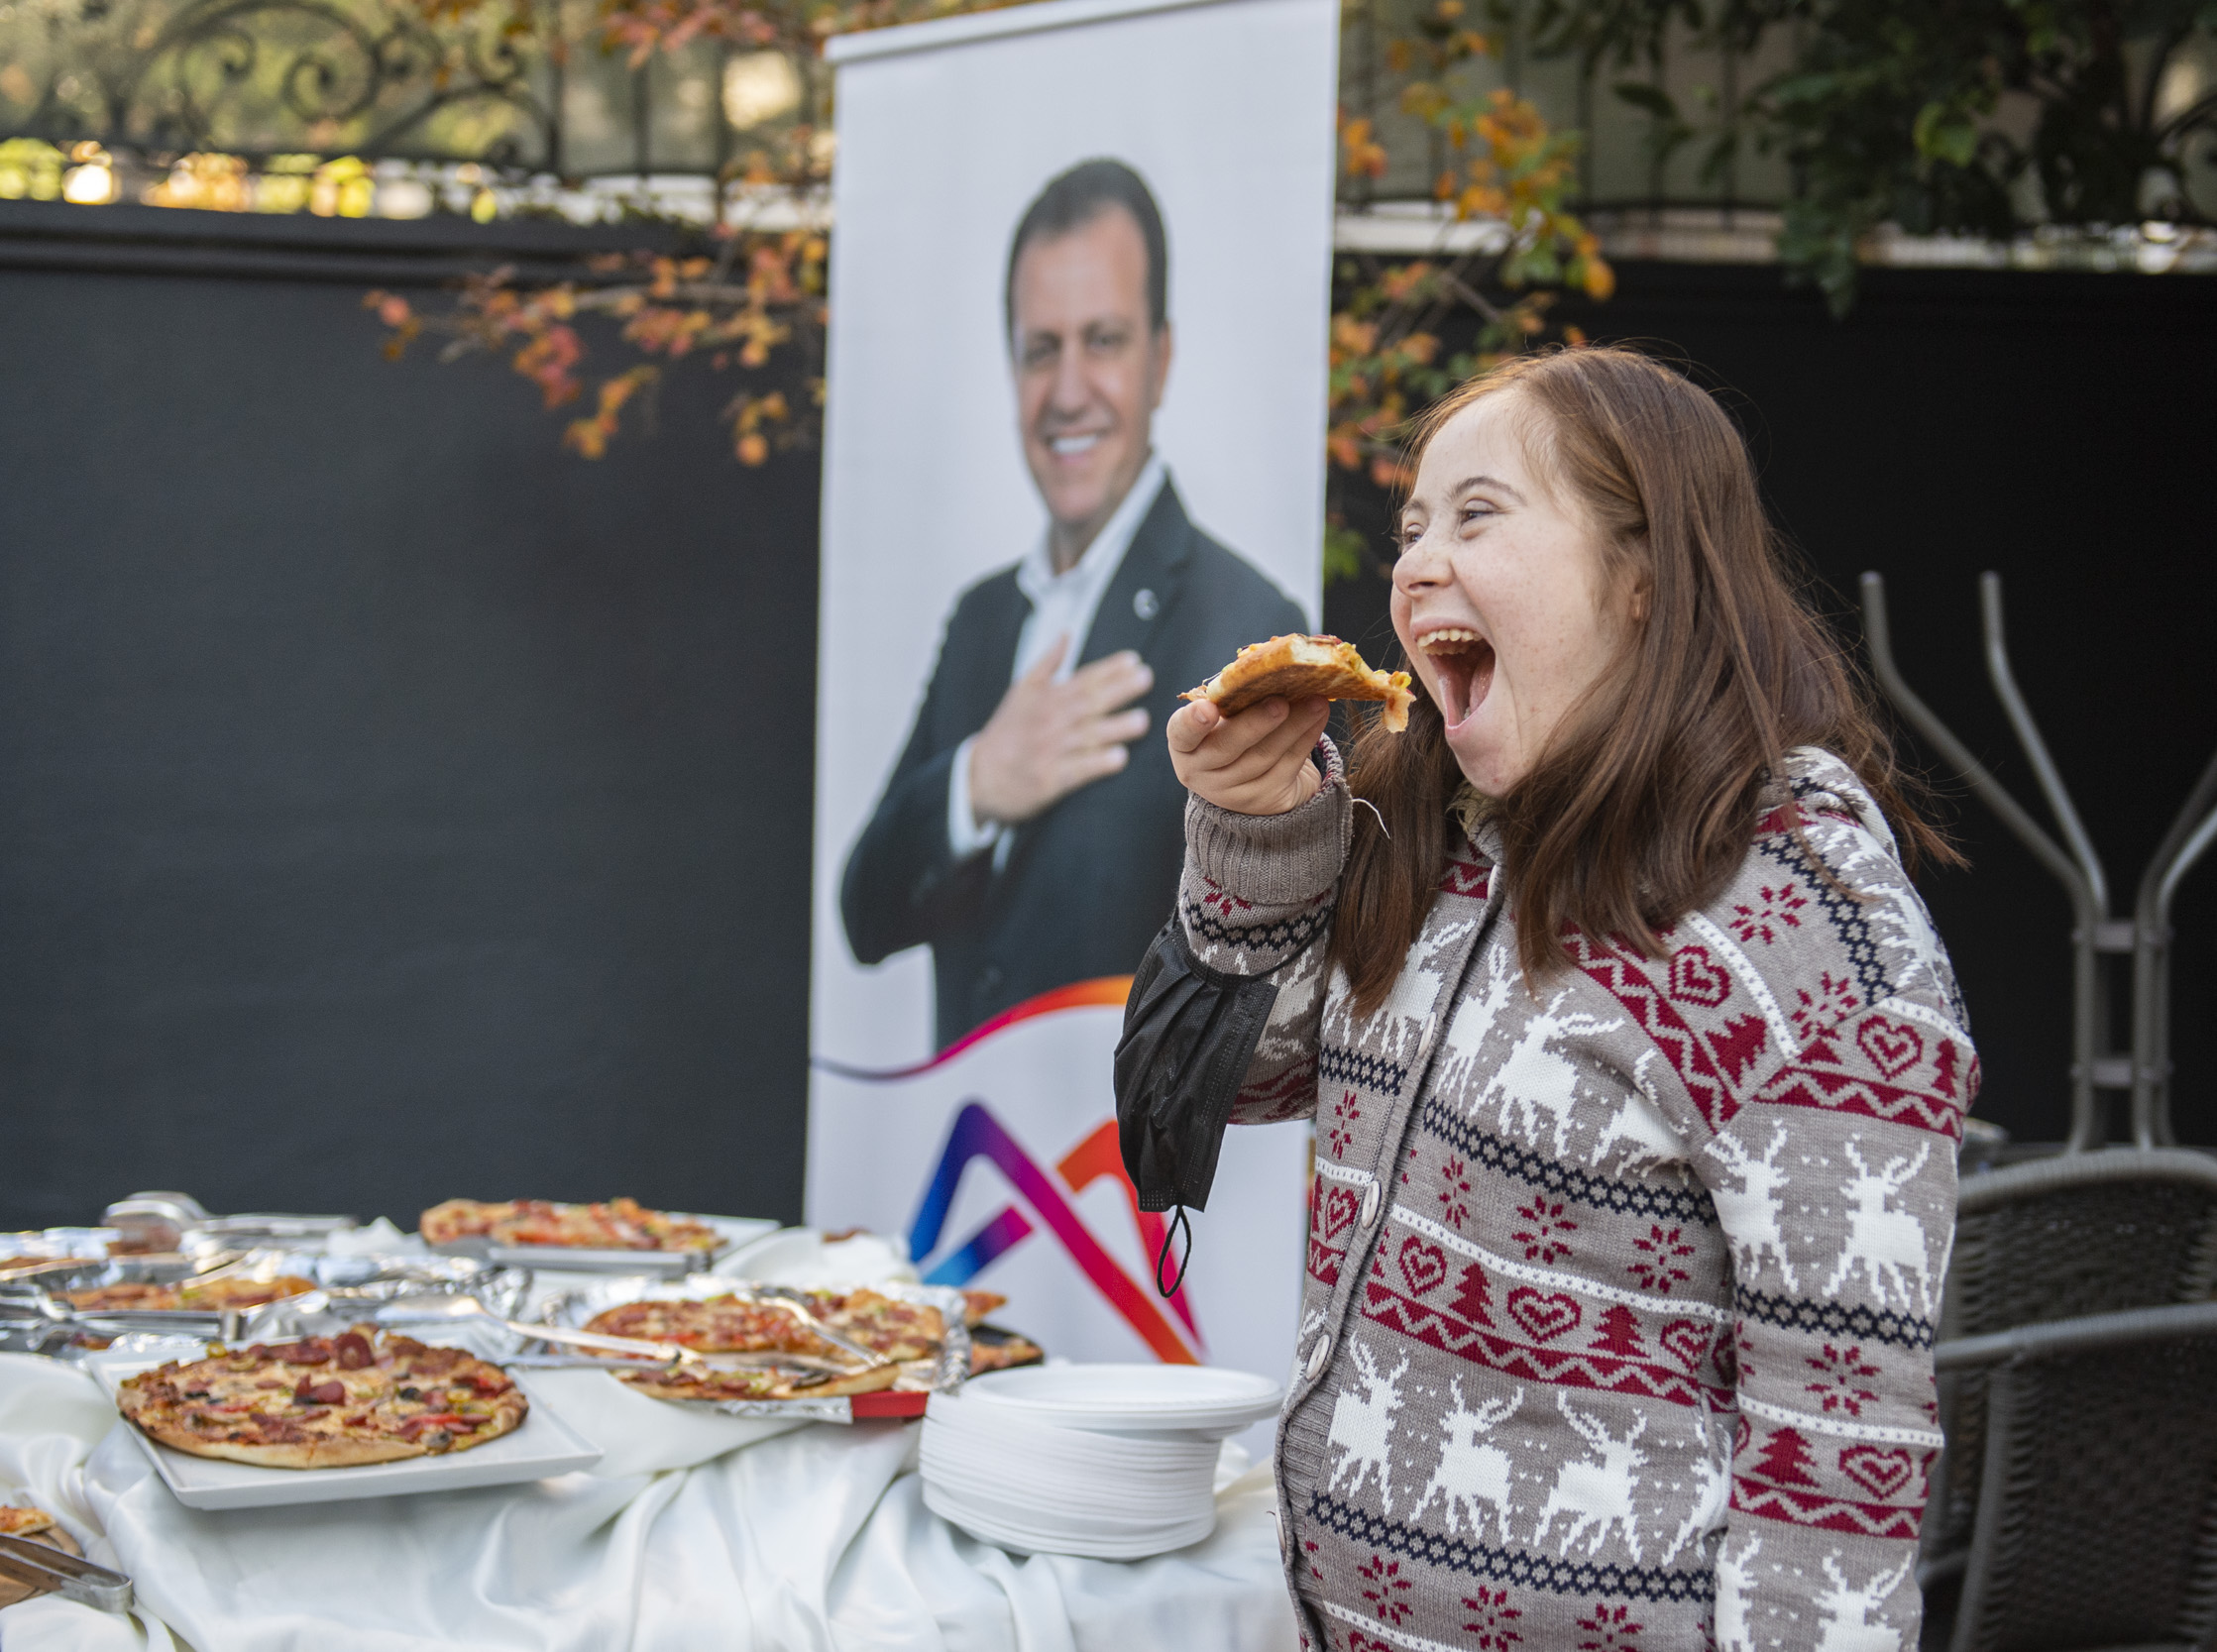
(1644,804)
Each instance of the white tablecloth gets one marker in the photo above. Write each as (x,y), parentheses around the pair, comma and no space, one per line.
(814,1537)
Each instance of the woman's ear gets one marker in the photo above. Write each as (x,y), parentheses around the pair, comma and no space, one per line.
(1639,603)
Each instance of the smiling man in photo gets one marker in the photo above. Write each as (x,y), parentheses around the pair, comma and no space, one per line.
(1031,834)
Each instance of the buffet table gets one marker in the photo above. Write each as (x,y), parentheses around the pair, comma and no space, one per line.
(691,1531)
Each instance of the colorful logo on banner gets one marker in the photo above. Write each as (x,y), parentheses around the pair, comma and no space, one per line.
(1049,1191)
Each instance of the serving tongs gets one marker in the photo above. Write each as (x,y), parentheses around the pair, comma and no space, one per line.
(455,1309)
(793,1302)
(49,1570)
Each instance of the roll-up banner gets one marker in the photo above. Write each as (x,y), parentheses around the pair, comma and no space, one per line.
(1074,459)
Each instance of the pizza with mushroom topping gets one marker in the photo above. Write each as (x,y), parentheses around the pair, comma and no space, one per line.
(325,1403)
(618,1225)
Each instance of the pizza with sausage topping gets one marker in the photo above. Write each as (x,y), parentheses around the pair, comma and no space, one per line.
(618,1225)
(325,1403)
(735,1324)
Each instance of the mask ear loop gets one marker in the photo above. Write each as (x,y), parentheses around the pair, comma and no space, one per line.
(1163,1256)
(1365,803)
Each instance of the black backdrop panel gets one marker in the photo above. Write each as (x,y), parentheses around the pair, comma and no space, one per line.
(2054,428)
(396,806)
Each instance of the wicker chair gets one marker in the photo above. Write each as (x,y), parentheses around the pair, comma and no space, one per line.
(2054,1239)
(2097,1508)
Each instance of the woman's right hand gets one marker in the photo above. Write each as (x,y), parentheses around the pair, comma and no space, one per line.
(1255,763)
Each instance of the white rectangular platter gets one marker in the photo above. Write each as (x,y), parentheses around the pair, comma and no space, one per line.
(543,1446)
(735,1231)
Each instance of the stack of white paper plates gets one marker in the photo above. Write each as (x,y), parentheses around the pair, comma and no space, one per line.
(1112,1462)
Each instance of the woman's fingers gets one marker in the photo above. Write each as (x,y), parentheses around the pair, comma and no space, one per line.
(1281,747)
(1213,739)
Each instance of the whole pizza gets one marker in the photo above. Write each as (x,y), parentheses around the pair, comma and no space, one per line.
(618,1225)
(325,1403)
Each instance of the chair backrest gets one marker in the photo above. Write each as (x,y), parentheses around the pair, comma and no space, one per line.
(2051,1239)
(2097,1508)
(2082,1233)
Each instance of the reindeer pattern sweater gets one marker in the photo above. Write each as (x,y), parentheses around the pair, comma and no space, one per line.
(1620,1285)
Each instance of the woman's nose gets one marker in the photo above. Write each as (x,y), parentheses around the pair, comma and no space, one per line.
(1420,567)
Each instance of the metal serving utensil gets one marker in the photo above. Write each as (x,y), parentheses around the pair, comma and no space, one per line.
(791,1301)
(45,1567)
(453,1309)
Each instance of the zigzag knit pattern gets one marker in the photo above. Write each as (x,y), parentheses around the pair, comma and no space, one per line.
(1620,1285)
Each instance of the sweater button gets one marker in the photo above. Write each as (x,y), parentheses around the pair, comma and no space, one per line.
(1371,1201)
(1317,1356)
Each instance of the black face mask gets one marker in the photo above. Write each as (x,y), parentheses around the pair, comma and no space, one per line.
(1189,1033)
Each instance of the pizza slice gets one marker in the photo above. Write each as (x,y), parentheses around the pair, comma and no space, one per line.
(17,1520)
(1305,668)
(710,1383)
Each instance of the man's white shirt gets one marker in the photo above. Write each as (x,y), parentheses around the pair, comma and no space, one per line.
(1062,604)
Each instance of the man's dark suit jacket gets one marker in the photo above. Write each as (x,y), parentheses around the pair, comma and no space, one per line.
(1087,883)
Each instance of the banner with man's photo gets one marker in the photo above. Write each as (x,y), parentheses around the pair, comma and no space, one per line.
(1072,463)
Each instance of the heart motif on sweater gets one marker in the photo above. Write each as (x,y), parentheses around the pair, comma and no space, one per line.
(1696,979)
(1422,1265)
(1893,1046)
(1880,1472)
(1543,1317)
(1339,1207)
(1688,1339)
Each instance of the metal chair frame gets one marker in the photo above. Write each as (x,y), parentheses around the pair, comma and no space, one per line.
(2011,1516)
(2097,937)
(2184,1272)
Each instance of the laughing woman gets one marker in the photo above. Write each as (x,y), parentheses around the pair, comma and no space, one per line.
(1636,1066)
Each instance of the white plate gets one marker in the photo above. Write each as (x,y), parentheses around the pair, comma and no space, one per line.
(1136,1400)
(733,1232)
(543,1446)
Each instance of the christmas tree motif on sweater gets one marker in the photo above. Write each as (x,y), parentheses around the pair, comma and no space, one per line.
(1469,1473)
(1750,1215)
(1362,1426)
(1597,1496)
(1847,1625)
(1885,1244)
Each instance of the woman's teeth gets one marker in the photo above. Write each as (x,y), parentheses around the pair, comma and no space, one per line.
(1453,637)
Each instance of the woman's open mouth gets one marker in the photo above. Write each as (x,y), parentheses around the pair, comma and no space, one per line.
(1464,662)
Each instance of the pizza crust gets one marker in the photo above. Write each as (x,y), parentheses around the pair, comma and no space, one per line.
(1304,668)
(657,1385)
(312,1454)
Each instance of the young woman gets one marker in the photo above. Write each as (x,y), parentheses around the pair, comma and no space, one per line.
(1636,1066)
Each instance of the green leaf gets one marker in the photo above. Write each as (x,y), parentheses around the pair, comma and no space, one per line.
(1641,95)
(1944,133)
(1343,553)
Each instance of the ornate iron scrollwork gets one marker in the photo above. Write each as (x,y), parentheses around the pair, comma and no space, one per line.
(267,78)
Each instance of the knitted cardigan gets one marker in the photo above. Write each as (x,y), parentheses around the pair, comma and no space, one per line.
(1617,1320)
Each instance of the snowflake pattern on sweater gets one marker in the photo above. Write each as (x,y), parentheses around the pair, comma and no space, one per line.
(1622,1286)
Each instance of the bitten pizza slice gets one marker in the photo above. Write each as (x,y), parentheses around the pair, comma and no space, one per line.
(1305,668)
